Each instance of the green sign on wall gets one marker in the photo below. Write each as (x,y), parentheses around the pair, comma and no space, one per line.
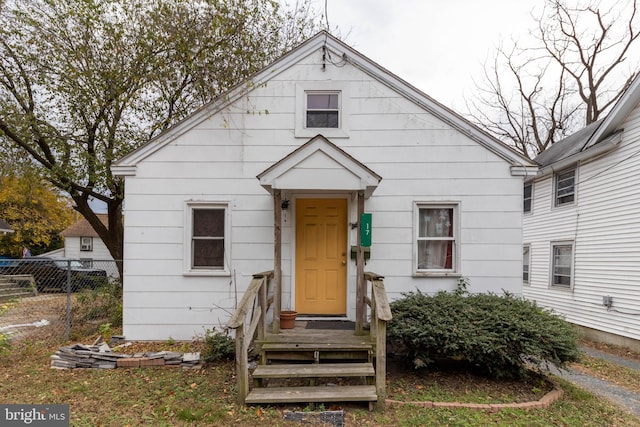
(365,229)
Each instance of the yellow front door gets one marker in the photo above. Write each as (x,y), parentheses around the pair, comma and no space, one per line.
(321,256)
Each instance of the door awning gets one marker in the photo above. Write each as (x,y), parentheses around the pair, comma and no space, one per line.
(319,165)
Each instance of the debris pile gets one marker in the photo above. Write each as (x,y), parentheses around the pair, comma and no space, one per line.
(103,357)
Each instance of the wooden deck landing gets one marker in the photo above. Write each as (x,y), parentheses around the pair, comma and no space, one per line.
(320,336)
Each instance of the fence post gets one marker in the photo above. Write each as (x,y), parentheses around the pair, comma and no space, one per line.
(68,326)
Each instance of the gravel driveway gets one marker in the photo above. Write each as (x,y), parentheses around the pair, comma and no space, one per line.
(607,390)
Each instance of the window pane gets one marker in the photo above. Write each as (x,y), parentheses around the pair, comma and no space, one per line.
(565,187)
(562,260)
(435,222)
(208,222)
(322,101)
(559,280)
(525,264)
(435,254)
(527,197)
(322,119)
(208,253)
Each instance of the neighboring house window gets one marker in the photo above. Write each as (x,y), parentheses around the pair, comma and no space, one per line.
(436,238)
(562,264)
(323,109)
(206,245)
(528,191)
(87,262)
(565,187)
(86,243)
(526,262)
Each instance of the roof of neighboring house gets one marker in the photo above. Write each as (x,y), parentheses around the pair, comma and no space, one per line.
(321,41)
(82,227)
(568,146)
(594,139)
(4,227)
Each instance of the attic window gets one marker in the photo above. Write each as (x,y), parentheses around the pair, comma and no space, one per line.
(323,110)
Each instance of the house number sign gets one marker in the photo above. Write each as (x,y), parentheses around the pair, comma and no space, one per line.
(365,229)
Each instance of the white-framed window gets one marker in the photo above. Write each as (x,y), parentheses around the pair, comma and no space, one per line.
(206,238)
(86,243)
(562,264)
(527,197)
(564,187)
(322,108)
(526,263)
(436,242)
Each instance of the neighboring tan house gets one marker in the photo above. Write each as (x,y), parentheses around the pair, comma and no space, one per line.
(82,242)
(275,174)
(4,227)
(581,253)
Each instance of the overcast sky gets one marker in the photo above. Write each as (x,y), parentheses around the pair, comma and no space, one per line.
(439,46)
(436,45)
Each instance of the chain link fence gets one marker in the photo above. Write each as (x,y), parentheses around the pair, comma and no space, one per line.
(58,299)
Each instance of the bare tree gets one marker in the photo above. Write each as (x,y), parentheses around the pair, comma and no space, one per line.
(531,96)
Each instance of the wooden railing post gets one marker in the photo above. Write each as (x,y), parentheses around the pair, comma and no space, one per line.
(381,362)
(242,366)
(361,284)
(277,260)
(380,315)
(262,304)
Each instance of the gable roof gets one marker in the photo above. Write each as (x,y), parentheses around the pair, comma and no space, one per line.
(333,168)
(594,139)
(82,228)
(323,40)
(4,227)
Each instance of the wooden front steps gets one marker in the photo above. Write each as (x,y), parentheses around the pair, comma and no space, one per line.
(324,365)
(309,366)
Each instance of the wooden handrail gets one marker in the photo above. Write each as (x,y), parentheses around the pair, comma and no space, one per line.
(248,299)
(380,315)
(255,301)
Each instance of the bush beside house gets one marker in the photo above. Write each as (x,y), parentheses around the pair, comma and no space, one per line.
(496,335)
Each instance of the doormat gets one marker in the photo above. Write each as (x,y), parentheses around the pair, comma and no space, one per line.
(343,325)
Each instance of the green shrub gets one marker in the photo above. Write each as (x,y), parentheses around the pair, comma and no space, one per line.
(497,335)
(218,346)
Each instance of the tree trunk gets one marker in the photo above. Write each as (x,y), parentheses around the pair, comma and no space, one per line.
(113,236)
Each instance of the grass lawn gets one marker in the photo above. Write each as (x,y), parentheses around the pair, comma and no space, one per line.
(176,397)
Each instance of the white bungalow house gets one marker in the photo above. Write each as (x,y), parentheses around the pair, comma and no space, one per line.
(275,175)
(581,252)
(82,242)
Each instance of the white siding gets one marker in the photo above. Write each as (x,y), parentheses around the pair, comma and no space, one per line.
(420,159)
(604,223)
(99,252)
